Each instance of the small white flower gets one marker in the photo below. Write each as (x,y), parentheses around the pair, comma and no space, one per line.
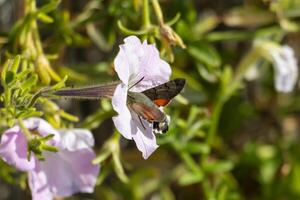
(285,67)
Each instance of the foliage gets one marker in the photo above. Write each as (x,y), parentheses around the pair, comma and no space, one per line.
(228,139)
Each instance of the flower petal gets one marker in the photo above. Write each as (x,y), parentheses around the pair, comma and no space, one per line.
(152,69)
(119,103)
(286,69)
(127,60)
(13,149)
(143,136)
(37,181)
(64,173)
(43,128)
(75,139)
(136,61)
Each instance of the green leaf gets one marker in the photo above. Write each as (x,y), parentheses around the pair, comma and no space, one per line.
(248,16)
(207,22)
(119,168)
(49,7)
(103,156)
(4,72)
(45,18)
(30,82)
(219,166)
(206,54)
(197,147)
(15,65)
(209,75)
(190,178)
(60,84)
(229,35)
(9,77)
(226,78)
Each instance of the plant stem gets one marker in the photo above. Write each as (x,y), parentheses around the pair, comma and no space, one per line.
(215,120)
(146,14)
(25,131)
(157,11)
(229,89)
(242,69)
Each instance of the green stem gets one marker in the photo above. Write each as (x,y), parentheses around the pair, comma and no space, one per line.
(189,161)
(35,33)
(228,90)
(242,69)
(158,11)
(129,31)
(25,131)
(146,14)
(215,120)
(36,38)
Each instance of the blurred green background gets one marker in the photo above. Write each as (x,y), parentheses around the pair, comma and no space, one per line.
(228,138)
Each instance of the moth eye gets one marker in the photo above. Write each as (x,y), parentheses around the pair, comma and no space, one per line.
(155,125)
(165,129)
(160,127)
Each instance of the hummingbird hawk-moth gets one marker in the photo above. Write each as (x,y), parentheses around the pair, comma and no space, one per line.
(145,104)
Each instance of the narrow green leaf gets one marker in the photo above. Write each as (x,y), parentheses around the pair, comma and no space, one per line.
(4,72)
(31,81)
(9,77)
(45,18)
(15,65)
(197,147)
(190,178)
(103,156)
(206,54)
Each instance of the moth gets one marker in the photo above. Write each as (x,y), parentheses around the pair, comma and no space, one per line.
(145,104)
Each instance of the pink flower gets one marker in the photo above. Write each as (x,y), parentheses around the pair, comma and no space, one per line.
(139,67)
(62,174)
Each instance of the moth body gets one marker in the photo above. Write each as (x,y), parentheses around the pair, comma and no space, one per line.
(146,109)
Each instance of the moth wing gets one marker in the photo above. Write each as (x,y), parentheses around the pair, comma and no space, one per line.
(162,94)
(147,112)
(144,107)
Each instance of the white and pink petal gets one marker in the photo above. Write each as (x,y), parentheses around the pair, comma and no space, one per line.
(75,139)
(143,136)
(13,150)
(119,103)
(64,173)
(43,128)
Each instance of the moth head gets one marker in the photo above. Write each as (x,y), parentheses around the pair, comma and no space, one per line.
(161,127)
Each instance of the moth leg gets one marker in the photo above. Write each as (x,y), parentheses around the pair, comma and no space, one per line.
(141,122)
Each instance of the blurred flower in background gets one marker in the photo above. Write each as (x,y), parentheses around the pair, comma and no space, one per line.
(284,63)
(286,68)
(61,174)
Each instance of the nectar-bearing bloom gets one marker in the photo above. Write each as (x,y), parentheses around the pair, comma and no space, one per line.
(284,63)
(286,68)
(61,174)
(139,67)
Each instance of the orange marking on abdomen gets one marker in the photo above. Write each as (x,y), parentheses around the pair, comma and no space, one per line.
(161,102)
